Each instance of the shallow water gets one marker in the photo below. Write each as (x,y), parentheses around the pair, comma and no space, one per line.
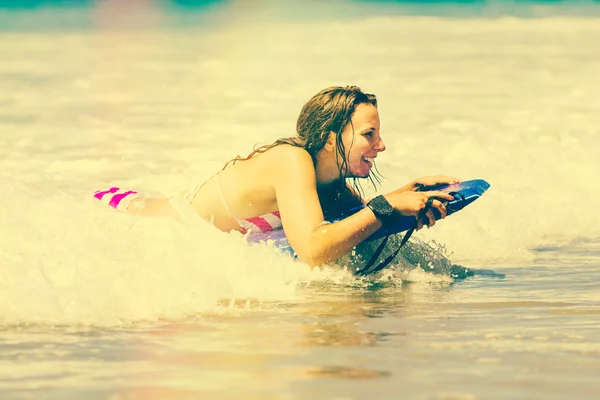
(97,304)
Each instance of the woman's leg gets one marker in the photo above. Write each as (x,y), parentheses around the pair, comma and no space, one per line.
(133,203)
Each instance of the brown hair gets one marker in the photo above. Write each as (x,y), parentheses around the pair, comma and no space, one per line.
(330,110)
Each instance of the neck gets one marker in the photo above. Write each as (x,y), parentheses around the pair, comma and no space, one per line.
(326,169)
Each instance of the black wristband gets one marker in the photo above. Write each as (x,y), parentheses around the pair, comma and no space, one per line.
(382,209)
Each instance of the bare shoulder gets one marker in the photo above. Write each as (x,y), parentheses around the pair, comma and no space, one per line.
(285,157)
(291,153)
(289,165)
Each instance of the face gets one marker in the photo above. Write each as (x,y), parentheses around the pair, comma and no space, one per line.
(362,141)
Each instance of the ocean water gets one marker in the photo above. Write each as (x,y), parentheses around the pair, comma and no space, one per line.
(157,96)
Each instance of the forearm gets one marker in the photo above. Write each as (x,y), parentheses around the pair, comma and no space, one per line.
(331,241)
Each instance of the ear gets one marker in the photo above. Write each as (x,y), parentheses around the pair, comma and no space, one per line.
(330,143)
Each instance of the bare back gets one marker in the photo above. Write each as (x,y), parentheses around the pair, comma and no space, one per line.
(243,190)
(247,189)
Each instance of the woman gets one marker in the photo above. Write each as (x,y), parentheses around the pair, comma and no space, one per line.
(300,181)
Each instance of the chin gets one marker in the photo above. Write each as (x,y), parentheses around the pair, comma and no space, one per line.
(361,174)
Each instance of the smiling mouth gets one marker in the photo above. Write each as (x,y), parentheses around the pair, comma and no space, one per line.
(369,160)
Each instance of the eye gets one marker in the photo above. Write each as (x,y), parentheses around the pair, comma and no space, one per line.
(368,134)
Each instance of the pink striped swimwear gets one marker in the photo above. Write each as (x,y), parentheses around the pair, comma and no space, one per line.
(116,198)
(263,223)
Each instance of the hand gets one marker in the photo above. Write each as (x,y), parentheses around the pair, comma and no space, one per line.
(411,203)
(430,181)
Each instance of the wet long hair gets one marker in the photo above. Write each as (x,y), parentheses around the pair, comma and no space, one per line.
(330,110)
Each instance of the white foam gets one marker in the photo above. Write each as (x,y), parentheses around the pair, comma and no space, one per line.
(506,100)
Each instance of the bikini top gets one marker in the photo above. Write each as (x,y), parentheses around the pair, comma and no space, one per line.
(262,223)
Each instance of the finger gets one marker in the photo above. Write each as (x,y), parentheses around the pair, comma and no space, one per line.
(446,180)
(440,195)
(443,210)
(431,218)
(419,225)
(441,207)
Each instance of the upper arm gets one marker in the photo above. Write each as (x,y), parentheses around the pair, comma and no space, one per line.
(295,186)
(294,180)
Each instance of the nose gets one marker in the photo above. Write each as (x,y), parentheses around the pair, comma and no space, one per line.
(380,146)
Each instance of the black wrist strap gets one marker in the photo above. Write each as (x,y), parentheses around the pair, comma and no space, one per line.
(384,263)
(373,205)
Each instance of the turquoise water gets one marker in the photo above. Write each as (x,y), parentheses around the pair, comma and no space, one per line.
(157,96)
(36,15)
